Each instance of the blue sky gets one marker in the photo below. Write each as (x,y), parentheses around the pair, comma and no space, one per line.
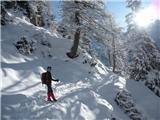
(116,7)
(119,10)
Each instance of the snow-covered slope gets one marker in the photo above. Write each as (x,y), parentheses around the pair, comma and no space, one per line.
(83,93)
(145,99)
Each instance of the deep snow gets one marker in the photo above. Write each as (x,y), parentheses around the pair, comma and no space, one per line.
(83,93)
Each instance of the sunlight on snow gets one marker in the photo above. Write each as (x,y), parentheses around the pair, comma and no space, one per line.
(11,74)
(100,70)
(102,101)
(121,83)
(97,77)
(71,87)
(12,59)
(86,112)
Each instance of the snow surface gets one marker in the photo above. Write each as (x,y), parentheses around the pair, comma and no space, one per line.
(83,93)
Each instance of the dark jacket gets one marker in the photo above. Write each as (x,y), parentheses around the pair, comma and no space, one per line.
(48,78)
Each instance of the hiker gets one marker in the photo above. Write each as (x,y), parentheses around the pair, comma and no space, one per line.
(48,81)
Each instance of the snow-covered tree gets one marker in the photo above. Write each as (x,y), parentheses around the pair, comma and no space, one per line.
(81,20)
(117,51)
(134,5)
(154,30)
(91,22)
(143,56)
(41,13)
(38,12)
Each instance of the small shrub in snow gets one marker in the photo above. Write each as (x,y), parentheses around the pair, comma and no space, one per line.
(41,37)
(92,62)
(24,46)
(157,91)
(149,84)
(124,100)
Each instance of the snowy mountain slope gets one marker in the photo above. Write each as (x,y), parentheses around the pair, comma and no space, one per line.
(84,93)
(22,93)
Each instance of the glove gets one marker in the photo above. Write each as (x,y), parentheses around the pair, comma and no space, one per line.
(57,80)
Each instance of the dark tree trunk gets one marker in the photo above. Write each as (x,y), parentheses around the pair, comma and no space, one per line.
(74,49)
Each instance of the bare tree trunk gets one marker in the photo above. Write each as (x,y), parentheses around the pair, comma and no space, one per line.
(74,49)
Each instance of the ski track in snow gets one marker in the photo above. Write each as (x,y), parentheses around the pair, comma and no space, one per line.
(72,104)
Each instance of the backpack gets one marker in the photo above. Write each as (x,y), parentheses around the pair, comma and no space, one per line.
(43,78)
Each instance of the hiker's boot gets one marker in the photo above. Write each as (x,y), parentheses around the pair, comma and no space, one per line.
(53,97)
(49,97)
